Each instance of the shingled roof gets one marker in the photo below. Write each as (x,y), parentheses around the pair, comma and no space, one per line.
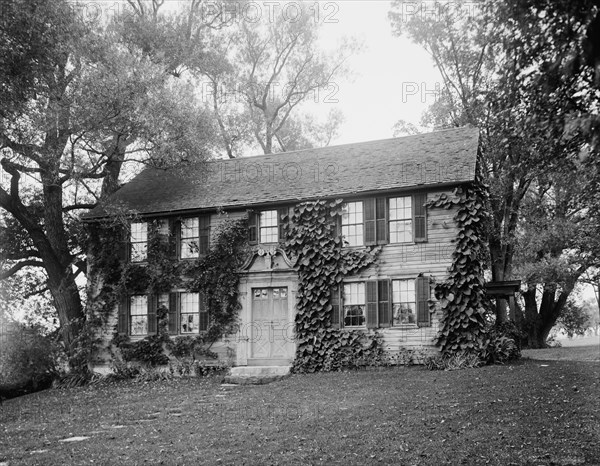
(444,157)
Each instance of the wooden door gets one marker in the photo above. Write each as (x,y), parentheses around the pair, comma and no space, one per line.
(271,335)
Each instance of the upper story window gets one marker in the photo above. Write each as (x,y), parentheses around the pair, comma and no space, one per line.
(189,239)
(138,241)
(354,304)
(400,219)
(194,236)
(352,223)
(268,226)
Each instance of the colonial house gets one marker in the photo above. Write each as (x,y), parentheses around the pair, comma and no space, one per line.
(385,187)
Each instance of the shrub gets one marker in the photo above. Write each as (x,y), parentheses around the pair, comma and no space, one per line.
(501,344)
(29,360)
(456,361)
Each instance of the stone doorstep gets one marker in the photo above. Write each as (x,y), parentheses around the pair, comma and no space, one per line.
(256,375)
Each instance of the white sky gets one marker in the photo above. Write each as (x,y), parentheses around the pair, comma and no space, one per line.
(393,78)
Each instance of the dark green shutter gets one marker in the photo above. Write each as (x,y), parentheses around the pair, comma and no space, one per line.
(336,308)
(252,227)
(385,303)
(204,239)
(282,219)
(372,304)
(123,317)
(419,217)
(152,305)
(173,325)
(203,318)
(423,294)
(381,216)
(369,220)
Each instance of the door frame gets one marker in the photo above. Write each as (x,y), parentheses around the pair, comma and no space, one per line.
(259,280)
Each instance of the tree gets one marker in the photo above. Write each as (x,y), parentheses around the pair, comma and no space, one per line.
(502,66)
(82,104)
(275,67)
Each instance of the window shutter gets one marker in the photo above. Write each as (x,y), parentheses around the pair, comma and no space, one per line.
(123,317)
(282,221)
(385,303)
(372,304)
(124,245)
(369,221)
(173,326)
(173,237)
(252,227)
(419,217)
(152,305)
(423,295)
(338,226)
(336,306)
(381,215)
(203,312)
(204,239)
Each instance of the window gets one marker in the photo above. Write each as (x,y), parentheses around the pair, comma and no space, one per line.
(354,304)
(189,313)
(269,226)
(381,303)
(194,236)
(400,223)
(138,315)
(404,302)
(352,223)
(138,242)
(189,238)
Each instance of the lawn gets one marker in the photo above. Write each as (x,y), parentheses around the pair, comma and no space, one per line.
(532,412)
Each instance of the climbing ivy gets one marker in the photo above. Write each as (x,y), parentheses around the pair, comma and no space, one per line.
(215,274)
(313,242)
(462,295)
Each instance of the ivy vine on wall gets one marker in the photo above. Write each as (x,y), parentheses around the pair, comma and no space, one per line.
(314,243)
(462,295)
(214,274)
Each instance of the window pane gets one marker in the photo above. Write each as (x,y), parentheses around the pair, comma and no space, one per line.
(400,216)
(352,223)
(138,311)
(268,223)
(401,231)
(138,238)
(354,304)
(189,248)
(189,313)
(404,302)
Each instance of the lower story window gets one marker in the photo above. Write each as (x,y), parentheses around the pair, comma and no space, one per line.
(354,304)
(189,313)
(138,311)
(404,302)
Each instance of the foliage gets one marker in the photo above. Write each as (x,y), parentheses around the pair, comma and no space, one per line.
(28,357)
(526,73)
(462,295)
(452,362)
(502,343)
(214,274)
(80,103)
(577,318)
(322,263)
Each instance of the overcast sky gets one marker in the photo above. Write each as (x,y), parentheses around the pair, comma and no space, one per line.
(394,79)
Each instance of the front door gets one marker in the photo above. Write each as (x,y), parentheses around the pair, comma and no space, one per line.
(272,335)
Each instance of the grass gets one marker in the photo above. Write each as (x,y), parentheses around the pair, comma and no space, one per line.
(528,413)
(570,353)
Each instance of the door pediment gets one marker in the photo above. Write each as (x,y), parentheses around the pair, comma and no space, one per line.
(263,259)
